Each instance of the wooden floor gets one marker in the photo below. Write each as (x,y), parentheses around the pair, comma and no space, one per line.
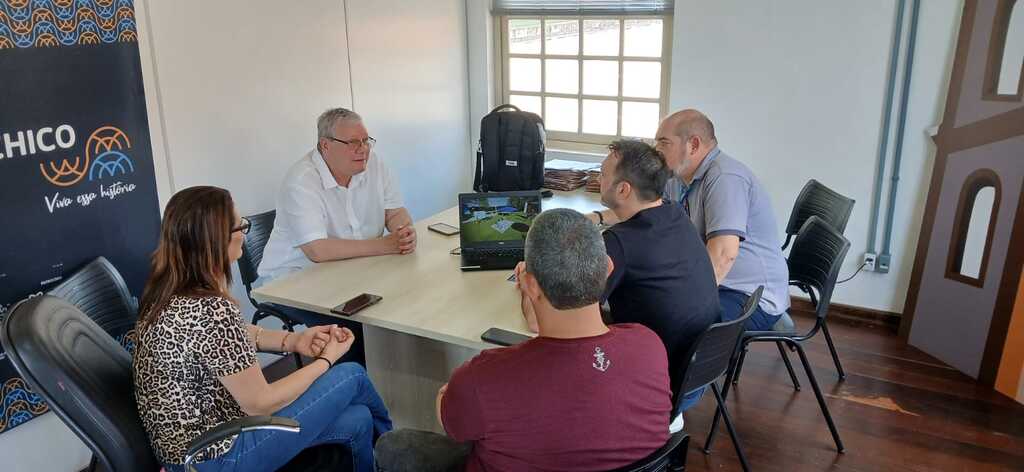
(898,409)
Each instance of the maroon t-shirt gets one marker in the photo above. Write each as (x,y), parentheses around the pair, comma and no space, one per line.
(580,404)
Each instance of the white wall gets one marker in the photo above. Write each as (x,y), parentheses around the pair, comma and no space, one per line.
(409,80)
(240,86)
(233,90)
(795,89)
(480,41)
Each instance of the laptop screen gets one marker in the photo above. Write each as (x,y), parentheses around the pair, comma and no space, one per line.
(497,219)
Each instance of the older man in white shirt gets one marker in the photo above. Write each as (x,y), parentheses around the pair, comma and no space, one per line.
(336,203)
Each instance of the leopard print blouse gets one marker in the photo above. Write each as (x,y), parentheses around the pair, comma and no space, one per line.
(178,359)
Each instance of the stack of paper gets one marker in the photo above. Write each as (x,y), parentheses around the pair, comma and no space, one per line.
(567,175)
(594,181)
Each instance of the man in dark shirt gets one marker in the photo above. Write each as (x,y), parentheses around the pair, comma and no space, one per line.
(580,396)
(663,278)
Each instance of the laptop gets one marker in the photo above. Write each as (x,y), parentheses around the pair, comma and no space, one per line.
(493,226)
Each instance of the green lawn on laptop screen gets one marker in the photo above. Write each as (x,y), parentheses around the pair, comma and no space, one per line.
(496,219)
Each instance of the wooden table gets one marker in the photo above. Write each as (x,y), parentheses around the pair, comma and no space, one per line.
(431,316)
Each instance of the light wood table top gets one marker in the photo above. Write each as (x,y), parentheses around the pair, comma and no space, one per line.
(424,293)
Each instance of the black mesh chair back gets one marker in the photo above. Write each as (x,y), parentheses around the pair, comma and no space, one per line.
(667,457)
(84,375)
(818,200)
(814,262)
(252,250)
(710,356)
(99,291)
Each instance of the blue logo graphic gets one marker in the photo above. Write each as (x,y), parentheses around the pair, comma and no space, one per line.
(109,164)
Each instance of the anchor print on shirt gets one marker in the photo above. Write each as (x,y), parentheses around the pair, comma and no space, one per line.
(601,363)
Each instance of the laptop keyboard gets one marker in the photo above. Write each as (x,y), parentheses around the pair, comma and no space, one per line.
(498,252)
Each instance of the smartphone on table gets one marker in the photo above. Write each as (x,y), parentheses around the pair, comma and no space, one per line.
(502,337)
(444,228)
(355,304)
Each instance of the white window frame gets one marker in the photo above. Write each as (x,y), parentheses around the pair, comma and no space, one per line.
(579,141)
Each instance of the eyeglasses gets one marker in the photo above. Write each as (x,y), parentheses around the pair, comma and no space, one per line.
(243,226)
(356,144)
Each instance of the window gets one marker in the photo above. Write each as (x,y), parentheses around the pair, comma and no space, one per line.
(974,227)
(593,79)
(1006,54)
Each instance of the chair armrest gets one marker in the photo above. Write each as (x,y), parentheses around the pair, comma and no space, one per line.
(236,427)
(264,310)
(669,451)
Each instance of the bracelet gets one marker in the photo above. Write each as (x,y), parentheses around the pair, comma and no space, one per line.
(600,217)
(283,341)
(328,361)
(259,330)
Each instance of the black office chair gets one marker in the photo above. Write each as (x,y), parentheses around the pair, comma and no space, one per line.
(818,200)
(670,457)
(260,228)
(101,293)
(814,263)
(834,208)
(712,356)
(86,379)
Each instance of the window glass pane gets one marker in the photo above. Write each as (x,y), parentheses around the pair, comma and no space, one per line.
(601,78)
(524,36)
(641,79)
(561,37)
(1013,52)
(562,114)
(600,117)
(601,37)
(524,74)
(526,103)
(977,232)
(562,76)
(639,120)
(643,38)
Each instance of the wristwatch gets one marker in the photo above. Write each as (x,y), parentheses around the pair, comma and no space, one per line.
(600,217)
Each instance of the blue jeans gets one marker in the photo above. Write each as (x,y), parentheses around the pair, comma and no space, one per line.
(356,354)
(732,307)
(341,407)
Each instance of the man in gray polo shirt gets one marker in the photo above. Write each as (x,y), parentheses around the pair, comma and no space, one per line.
(732,211)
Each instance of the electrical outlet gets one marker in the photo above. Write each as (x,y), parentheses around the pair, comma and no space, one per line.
(883,263)
(869,261)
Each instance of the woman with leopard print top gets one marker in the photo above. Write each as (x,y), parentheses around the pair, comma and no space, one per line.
(195,359)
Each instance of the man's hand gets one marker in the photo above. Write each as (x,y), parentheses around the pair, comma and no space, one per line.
(401,241)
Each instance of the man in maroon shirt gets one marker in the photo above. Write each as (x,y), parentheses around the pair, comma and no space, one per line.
(580,396)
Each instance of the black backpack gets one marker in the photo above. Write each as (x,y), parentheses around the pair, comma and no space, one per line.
(510,155)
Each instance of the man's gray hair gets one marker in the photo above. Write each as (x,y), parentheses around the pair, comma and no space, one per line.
(566,253)
(330,118)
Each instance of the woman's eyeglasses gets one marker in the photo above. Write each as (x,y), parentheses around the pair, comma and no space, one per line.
(243,226)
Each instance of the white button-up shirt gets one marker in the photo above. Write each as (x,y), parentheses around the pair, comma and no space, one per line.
(311,206)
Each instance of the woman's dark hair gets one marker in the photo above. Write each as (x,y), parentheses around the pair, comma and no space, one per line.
(192,256)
